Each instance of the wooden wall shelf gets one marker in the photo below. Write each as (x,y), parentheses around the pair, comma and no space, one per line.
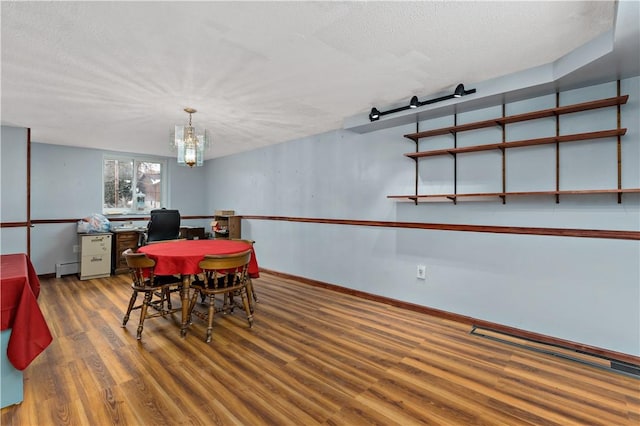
(612,134)
(486,195)
(522,143)
(500,121)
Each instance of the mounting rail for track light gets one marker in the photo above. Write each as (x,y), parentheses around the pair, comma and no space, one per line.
(375,115)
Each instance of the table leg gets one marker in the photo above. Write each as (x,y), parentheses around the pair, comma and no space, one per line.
(184,296)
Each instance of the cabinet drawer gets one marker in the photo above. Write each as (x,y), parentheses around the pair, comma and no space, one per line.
(127,239)
(128,244)
(95,265)
(121,262)
(123,240)
(96,244)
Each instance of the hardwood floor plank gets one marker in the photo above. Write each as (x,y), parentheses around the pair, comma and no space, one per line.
(444,398)
(575,376)
(553,399)
(312,357)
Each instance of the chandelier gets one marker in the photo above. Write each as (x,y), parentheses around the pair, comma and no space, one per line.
(189,143)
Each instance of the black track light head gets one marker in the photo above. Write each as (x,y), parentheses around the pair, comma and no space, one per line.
(374,114)
(459,92)
(414,103)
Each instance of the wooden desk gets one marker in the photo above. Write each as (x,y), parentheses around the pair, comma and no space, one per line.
(123,239)
(182,257)
(20,311)
(192,233)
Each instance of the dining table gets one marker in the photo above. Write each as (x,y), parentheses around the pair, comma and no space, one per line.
(181,257)
(20,288)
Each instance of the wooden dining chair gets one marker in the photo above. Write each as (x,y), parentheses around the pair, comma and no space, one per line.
(145,281)
(173,289)
(223,275)
(253,297)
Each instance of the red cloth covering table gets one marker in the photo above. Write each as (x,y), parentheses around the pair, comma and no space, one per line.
(182,257)
(20,287)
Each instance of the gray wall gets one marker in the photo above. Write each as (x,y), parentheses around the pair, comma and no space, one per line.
(13,196)
(580,289)
(66,183)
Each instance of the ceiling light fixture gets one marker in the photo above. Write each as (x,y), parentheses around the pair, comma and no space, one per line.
(189,143)
(459,92)
(415,103)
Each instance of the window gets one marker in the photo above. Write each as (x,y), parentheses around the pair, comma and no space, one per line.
(132,185)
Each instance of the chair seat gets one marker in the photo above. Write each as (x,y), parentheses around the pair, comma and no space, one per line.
(168,279)
(158,282)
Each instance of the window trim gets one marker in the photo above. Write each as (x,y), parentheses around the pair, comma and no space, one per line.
(164,187)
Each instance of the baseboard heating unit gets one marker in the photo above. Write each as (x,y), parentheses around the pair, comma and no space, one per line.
(593,360)
(67,268)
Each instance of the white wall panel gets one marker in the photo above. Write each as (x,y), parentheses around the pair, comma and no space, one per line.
(13,181)
(13,240)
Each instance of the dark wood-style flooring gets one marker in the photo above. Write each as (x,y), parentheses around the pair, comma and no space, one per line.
(313,356)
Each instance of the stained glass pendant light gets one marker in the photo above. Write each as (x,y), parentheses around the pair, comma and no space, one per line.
(190,144)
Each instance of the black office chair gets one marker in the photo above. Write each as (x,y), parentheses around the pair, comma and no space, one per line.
(163,225)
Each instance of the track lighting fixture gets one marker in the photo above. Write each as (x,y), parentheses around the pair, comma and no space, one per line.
(415,103)
(460,92)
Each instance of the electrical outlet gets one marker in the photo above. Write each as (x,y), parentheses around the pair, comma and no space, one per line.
(421,272)
(76,248)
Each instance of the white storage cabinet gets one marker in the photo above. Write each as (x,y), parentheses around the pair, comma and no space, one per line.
(95,255)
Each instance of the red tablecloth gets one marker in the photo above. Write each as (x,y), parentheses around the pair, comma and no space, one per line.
(183,256)
(20,287)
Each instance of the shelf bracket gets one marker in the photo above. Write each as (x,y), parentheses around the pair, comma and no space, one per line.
(557,120)
(619,147)
(417,167)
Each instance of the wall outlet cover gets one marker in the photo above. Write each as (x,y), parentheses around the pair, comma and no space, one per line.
(421,272)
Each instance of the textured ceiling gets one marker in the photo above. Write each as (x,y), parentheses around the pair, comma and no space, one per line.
(117,75)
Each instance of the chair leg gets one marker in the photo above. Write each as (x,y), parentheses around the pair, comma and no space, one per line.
(227,303)
(247,309)
(143,312)
(192,303)
(251,290)
(212,309)
(167,295)
(132,301)
(253,299)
